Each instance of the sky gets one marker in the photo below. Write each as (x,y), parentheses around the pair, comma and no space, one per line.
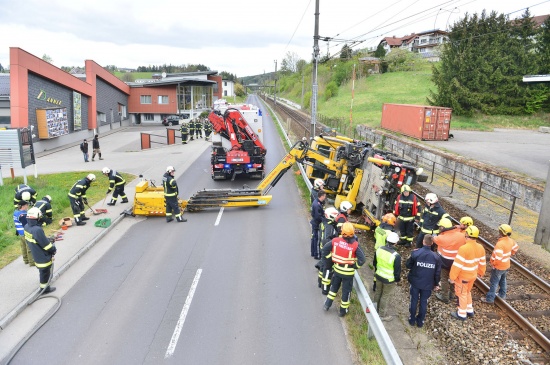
(243,37)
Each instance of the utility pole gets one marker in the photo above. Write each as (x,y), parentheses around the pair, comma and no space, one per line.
(315,61)
(275,92)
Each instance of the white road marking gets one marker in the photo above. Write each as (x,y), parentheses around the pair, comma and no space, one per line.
(219,217)
(183,314)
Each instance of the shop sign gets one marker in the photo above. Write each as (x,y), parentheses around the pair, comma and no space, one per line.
(42,96)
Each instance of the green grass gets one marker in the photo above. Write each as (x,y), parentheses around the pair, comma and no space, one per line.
(55,185)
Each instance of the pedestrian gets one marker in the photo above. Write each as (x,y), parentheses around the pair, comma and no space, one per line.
(42,249)
(77,197)
(383,229)
(96,149)
(327,231)
(116,185)
(171,196)
(469,263)
(45,206)
(207,129)
(184,130)
(20,220)
(448,241)
(431,215)
(191,129)
(505,248)
(84,149)
(387,266)
(198,128)
(318,185)
(317,213)
(424,276)
(407,209)
(346,257)
(24,192)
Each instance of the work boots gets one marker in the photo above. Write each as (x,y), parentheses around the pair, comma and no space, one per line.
(181,219)
(112,202)
(124,200)
(49,289)
(79,222)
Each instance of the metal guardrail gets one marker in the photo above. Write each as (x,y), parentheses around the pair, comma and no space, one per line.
(376,327)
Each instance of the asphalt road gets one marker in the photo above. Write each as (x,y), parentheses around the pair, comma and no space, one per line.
(256,299)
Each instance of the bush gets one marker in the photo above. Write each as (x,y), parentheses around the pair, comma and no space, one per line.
(330,90)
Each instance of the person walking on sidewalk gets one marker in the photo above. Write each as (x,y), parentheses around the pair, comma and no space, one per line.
(116,185)
(77,197)
(42,248)
(424,275)
(505,248)
(387,271)
(20,220)
(84,149)
(171,196)
(95,145)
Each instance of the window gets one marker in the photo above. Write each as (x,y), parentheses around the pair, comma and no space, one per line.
(422,41)
(163,99)
(122,111)
(225,83)
(225,93)
(148,117)
(145,99)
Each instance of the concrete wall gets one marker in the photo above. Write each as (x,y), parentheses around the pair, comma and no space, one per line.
(528,195)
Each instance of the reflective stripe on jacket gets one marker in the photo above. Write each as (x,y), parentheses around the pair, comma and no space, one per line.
(115,179)
(431,217)
(504,249)
(407,207)
(448,242)
(469,261)
(388,265)
(346,255)
(79,189)
(41,248)
(170,185)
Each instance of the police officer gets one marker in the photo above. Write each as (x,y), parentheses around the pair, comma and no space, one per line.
(317,213)
(77,197)
(407,208)
(191,129)
(116,185)
(41,247)
(22,189)
(184,130)
(387,266)
(171,195)
(45,206)
(207,129)
(424,276)
(431,215)
(346,256)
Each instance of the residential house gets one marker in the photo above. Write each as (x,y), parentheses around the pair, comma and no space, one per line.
(425,43)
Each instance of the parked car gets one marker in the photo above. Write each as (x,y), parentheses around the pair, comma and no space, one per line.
(171,120)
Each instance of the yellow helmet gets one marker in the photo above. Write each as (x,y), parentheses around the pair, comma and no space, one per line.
(445,223)
(505,229)
(472,231)
(389,218)
(405,188)
(466,221)
(348,230)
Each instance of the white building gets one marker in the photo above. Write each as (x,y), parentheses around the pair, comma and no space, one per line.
(228,88)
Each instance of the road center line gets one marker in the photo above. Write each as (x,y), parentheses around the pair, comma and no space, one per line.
(219,217)
(183,314)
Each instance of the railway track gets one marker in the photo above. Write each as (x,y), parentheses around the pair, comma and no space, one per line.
(300,122)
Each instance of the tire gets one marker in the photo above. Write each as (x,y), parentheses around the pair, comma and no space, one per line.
(169,124)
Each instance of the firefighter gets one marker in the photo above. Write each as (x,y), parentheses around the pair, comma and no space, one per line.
(171,196)
(448,242)
(116,185)
(424,275)
(77,197)
(387,266)
(318,185)
(19,191)
(346,256)
(45,206)
(469,262)
(198,128)
(342,217)
(407,209)
(327,232)
(42,248)
(317,213)
(431,215)
(191,129)
(207,129)
(184,129)
(383,229)
(505,248)
(20,220)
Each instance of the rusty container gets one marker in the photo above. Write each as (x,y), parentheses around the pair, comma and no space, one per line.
(427,123)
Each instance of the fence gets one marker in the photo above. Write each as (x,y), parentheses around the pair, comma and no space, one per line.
(147,141)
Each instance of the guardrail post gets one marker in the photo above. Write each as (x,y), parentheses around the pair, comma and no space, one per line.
(433,172)
(478,193)
(453,184)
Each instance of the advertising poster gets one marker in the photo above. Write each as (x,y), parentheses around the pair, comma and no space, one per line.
(77,111)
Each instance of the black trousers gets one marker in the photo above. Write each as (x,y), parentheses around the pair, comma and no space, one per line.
(406,230)
(77,205)
(44,274)
(184,138)
(172,207)
(347,285)
(119,190)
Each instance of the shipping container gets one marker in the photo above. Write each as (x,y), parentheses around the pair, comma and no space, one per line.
(427,123)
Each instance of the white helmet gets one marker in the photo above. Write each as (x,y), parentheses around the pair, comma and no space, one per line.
(345,206)
(392,238)
(34,213)
(318,183)
(26,196)
(331,213)
(106,170)
(90,177)
(48,198)
(170,169)
(431,198)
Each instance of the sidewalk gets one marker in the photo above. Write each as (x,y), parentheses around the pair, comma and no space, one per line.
(120,151)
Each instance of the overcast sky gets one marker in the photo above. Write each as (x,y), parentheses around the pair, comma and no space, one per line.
(243,37)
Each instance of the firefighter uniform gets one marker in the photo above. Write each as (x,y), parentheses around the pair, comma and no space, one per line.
(207,129)
(20,220)
(346,256)
(77,197)
(19,190)
(327,232)
(45,206)
(430,217)
(387,266)
(317,213)
(171,196)
(42,250)
(198,128)
(469,263)
(448,242)
(424,275)
(184,129)
(116,185)
(407,208)
(191,129)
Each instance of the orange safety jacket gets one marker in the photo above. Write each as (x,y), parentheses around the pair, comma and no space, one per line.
(504,249)
(448,242)
(469,262)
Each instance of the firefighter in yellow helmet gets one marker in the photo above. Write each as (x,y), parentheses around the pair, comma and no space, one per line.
(346,256)
(407,209)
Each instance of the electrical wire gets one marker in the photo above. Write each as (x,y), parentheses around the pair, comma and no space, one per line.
(300,22)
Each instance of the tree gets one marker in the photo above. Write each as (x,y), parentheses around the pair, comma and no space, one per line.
(345,52)
(543,47)
(380,51)
(290,62)
(47,58)
(403,60)
(1,68)
(128,77)
(239,90)
(111,68)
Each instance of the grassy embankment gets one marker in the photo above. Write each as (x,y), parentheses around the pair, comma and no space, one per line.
(55,185)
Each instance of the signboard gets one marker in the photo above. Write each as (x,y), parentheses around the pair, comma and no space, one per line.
(16,149)
(77,111)
(52,122)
